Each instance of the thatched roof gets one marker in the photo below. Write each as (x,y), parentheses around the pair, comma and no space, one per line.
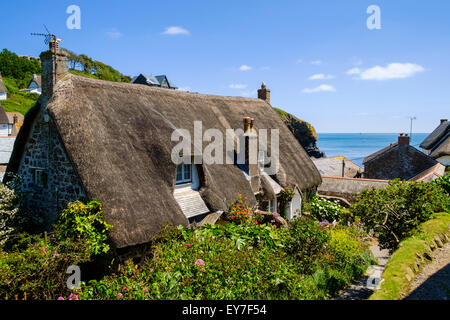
(118,137)
(3,116)
(442,148)
(436,136)
(2,86)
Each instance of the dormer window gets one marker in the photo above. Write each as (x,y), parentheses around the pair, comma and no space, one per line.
(184,173)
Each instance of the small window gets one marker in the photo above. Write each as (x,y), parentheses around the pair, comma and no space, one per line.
(272,205)
(40,178)
(184,173)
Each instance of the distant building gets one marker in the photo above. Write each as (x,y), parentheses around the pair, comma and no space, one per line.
(10,123)
(338,166)
(437,144)
(398,160)
(154,81)
(35,85)
(29,57)
(3,90)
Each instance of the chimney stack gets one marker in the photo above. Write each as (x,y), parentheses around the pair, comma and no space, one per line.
(442,120)
(251,152)
(54,64)
(15,119)
(264,93)
(403,139)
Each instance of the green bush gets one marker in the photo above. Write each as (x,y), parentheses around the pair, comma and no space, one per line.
(84,222)
(393,212)
(39,269)
(325,210)
(444,182)
(9,206)
(210,263)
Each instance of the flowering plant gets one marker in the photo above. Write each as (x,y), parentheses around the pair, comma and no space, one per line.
(240,212)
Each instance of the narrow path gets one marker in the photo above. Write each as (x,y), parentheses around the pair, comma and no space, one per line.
(433,282)
(365,287)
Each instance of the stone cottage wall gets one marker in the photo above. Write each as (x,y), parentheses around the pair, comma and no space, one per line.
(45,151)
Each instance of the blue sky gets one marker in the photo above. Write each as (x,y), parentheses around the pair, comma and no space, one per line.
(302,50)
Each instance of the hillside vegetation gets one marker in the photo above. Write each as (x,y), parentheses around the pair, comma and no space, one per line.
(17,73)
(303,131)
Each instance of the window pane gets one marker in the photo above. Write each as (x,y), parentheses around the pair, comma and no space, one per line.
(187,172)
(179,172)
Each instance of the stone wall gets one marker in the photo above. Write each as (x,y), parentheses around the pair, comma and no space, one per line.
(44,151)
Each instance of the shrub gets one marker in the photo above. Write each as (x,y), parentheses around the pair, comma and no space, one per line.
(306,239)
(325,210)
(39,270)
(393,212)
(84,222)
(9,206)
(444,182)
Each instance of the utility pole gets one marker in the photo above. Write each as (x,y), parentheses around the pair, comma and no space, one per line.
(410,128)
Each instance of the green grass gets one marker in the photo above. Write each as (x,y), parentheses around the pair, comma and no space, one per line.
(18,101)
(395,283)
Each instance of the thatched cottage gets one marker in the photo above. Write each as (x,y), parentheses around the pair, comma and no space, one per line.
(437,144)
(89,138)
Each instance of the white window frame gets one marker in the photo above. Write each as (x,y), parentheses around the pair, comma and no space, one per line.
(273,205)
(184,180)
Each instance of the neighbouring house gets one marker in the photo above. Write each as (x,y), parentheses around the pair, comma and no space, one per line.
(87,138)
(6,142)
(35,85)
(154,81)
(338,166)
(3,90)
(437,144)
(10,123)
(398,160)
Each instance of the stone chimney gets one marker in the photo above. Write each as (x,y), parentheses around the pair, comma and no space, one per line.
(54,65)
(251,152)
(403,139)
(442,120)
(264,93)
(15,119)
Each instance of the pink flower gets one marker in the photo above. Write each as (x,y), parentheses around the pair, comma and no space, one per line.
(120,295)
(125,288)
(146,290)
(73,296)
(135,271)
(60,298)
(199,262)
(151,270)
(189,245)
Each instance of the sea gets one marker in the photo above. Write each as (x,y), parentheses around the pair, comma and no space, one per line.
(357,146)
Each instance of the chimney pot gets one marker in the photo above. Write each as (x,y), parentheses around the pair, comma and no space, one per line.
(442,120)
(403,139)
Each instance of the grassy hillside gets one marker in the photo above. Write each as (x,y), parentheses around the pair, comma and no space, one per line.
(17,101)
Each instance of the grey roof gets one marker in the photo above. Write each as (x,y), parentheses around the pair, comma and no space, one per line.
(2,87)
(379,152)
(3,116)
(37,79)
(154,80)
(436,135)
(6,148)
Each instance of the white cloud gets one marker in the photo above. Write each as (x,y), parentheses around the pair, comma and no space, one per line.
(237,86)
(174,30)
(391,71)
(354,71)
(321,88)
(245,67)
(321,76)
(316,62)
(114,34)
(249,94)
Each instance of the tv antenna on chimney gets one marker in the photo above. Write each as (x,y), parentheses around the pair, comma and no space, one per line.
(50,39)
(410,129)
